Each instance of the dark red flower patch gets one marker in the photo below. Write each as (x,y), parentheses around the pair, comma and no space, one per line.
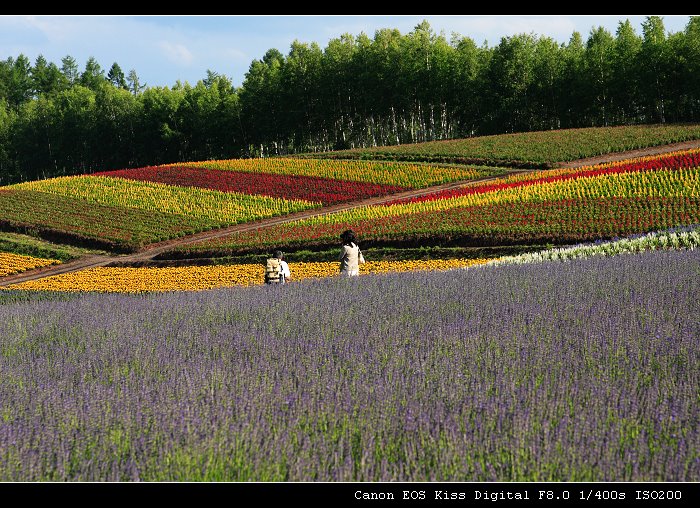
(325,190)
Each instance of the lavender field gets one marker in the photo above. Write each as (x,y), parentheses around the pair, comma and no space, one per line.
(581,371)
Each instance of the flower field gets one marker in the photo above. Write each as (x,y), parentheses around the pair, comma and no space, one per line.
(15,263)
(572,363)
(563,206)
(223,207)
(553,181)
(119,214)
(507,373)
(677,238)
(80,221)
(26,245)
(128,209)
(404,175)
(197,278)
(535,148)
(282,186)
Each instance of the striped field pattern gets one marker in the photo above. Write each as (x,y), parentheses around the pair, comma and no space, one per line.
(197,278)
(392,173)
(564,206)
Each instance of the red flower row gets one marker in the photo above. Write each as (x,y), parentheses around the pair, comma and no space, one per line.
(309,188)
(566,221)
(676,161)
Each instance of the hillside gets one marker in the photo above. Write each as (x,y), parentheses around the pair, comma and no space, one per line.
(237,211)
(510,373)
(542,149)
(548,206)
(503,358)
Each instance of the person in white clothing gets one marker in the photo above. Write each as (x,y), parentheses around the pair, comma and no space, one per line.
(286,274)
(350,256)
(277,269)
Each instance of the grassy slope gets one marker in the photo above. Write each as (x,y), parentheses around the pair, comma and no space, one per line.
(535,148)
(29,246)
(540,149)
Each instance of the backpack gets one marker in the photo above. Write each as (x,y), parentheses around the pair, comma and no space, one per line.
(273,270)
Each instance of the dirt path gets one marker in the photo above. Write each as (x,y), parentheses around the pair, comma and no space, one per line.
(158,248)
(618,156)
(81,263)
(154,249)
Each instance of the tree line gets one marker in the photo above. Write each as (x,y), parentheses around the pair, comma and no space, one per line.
(356,92)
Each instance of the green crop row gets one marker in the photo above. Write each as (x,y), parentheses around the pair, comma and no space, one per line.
(76,221)
(536,149)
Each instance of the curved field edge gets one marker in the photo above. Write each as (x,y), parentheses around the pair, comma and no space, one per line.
(199,278)
(65,219)
(209,274)
(541,149)
(474,365)
(351,172)
(679,238)
(224,208)
(11,263)
(31,246)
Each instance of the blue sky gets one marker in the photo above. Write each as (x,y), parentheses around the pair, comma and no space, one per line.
(165,49)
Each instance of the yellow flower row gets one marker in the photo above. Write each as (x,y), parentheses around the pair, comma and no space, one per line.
(659,183)
(196,278)
(225,207)
(394,173)
(16,263)
(523,177)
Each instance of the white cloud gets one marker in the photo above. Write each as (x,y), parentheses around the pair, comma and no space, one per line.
(66,29)
(176,53)
(54,29)
(235,54)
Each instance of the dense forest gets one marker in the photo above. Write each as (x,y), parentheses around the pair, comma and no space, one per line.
(359,91)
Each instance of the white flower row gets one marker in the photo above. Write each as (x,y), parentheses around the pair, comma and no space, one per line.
(678,238)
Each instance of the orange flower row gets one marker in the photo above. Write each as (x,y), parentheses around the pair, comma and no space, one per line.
(16,263)
(197,278)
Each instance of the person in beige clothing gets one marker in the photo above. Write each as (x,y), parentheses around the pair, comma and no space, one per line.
(350,255)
